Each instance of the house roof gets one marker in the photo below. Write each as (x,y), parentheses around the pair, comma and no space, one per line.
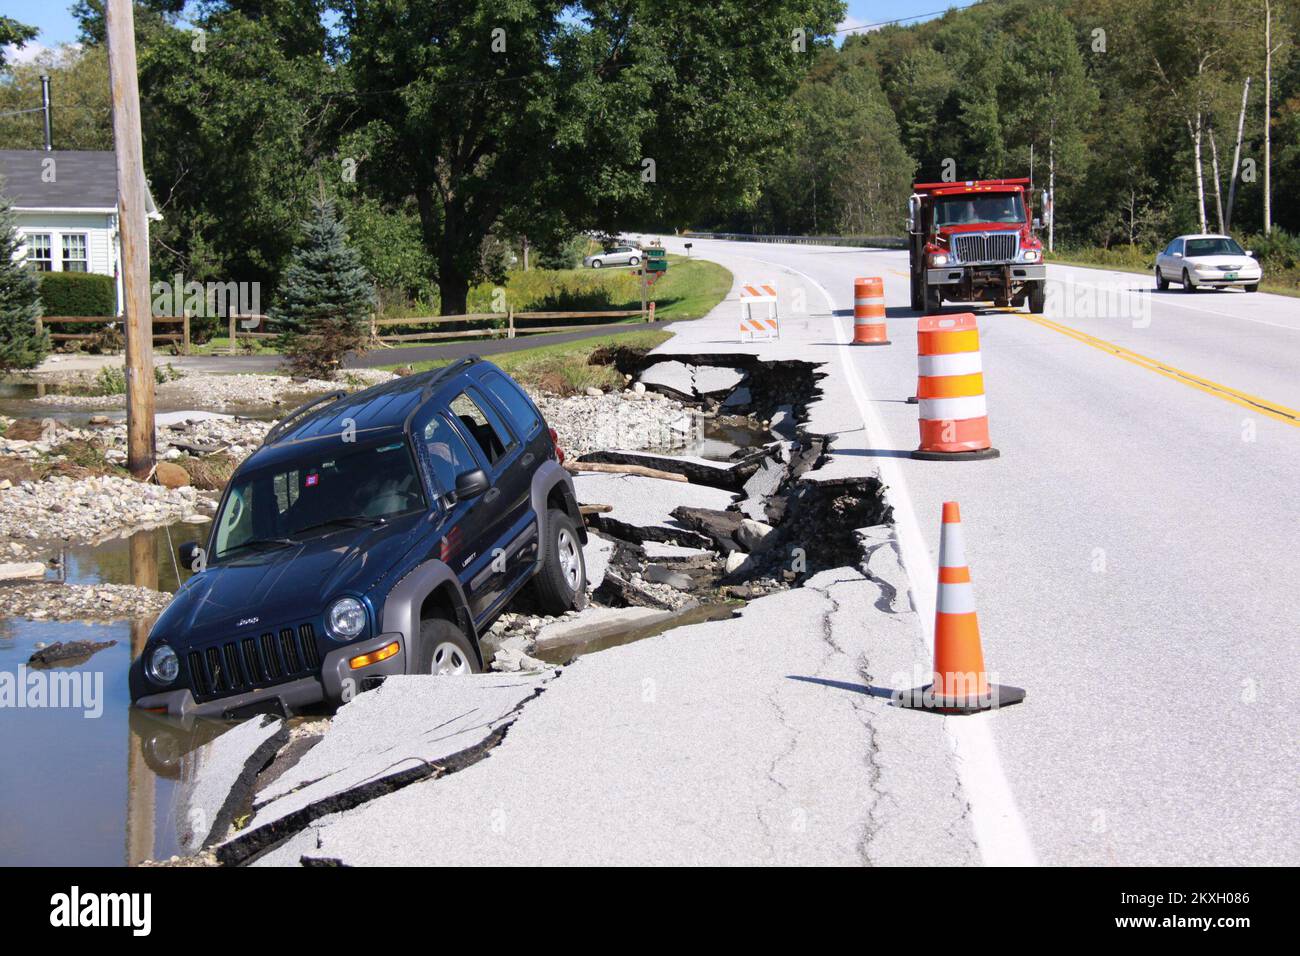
(83,179)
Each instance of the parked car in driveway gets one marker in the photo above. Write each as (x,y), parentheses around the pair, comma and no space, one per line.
(1207,261)
(621,255)
(371,534)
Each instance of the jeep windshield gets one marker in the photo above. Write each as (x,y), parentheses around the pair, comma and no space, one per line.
(979,208)
(347,486)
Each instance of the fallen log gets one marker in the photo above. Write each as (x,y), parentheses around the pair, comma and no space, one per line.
(595,509)
(578,466)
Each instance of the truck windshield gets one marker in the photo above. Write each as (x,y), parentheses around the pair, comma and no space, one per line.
(339,486)
(978,208)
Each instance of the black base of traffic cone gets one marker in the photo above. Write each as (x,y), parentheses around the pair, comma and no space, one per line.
(923,698)
(886,342)
(913,400)
(980,455)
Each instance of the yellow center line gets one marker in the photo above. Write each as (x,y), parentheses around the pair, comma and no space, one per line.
(1253,402)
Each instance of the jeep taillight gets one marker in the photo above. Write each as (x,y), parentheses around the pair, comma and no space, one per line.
(555,443)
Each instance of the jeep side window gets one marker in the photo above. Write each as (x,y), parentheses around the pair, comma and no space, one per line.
(515,402)
(449,456)
(488,430)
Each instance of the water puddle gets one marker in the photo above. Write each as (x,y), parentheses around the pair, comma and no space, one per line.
(94,784)
(568,653)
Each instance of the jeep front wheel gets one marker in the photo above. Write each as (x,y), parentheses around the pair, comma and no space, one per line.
(444,649)
(561,581)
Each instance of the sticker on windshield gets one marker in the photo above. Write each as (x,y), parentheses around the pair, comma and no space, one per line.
(311,481)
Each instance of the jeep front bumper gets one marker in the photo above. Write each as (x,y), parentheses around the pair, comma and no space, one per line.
(338,681)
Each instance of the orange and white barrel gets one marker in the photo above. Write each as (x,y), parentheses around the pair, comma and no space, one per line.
(869,311)
(950,390)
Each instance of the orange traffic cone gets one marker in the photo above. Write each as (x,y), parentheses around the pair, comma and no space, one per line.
(869,312)
(961,685)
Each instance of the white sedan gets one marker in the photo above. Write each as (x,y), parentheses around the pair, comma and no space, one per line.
(622,255)
(1207,261)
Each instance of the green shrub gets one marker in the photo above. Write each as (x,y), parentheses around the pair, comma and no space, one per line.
(78,293)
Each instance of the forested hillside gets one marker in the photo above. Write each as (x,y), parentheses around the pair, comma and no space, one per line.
(1133,105)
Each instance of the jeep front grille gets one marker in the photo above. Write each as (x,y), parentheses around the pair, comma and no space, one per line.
(247,663)
(986,247)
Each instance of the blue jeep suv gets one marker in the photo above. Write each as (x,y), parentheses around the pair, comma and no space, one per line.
(371,534)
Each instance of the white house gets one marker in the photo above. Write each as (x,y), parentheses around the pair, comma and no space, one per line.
(65,202)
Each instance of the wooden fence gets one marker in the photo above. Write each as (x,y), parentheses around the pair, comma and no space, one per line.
(182,337)
(507,324)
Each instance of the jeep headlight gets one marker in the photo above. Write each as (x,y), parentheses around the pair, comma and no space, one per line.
(1030,255)
(163,666)
(346,619)
(939,259)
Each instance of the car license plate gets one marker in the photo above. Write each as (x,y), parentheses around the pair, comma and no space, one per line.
(1231,275)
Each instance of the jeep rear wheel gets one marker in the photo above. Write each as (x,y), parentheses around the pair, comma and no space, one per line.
(444,649)
(561,581)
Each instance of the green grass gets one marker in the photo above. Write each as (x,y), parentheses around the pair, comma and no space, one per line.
(564,368)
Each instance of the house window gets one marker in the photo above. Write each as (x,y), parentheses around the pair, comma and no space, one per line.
(74,253)
(40,255)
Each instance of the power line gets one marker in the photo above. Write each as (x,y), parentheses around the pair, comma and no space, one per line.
(916,16)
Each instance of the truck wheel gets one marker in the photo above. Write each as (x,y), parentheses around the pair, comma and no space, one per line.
(932,299)
(1037,297)
(561,581)
(444,649)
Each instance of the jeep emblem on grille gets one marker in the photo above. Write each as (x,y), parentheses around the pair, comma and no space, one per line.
(248,620)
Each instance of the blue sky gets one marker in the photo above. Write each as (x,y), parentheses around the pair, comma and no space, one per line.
(55,21)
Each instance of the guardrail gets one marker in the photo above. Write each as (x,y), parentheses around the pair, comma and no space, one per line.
(182,337)
(874,242)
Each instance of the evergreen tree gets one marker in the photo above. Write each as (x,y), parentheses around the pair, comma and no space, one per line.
(20,302)
(323,304)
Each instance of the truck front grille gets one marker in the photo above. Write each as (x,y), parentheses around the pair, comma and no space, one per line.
(247,663)
(986,247)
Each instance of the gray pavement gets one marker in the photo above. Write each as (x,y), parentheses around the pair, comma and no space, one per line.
(1133,549)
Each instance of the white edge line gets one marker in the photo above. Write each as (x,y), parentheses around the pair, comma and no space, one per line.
(999,830)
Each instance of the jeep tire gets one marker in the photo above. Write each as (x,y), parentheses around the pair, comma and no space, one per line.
(561,581)
(444,649)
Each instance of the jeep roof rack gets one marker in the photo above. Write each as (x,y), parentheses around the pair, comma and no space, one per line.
(283,424)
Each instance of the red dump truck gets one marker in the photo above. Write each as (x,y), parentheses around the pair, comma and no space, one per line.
(974,241)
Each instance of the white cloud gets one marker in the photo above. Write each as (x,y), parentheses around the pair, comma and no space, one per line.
(34,52)
(851,25)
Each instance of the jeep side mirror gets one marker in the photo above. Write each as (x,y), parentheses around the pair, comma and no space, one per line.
(188,552)
(471,484)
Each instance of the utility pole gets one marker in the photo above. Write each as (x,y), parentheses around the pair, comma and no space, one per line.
(1268,117)
(134,229)
(45,108)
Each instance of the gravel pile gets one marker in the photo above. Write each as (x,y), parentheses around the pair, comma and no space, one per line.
(239,437)
(626,420)
(86,509)
(203,390)
(82,602)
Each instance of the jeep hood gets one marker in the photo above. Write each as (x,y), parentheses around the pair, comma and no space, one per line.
(286,585)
